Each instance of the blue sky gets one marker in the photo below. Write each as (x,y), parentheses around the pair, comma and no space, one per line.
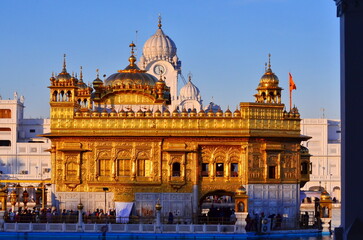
(224,44)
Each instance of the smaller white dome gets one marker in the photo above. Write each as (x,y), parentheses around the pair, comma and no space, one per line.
(189,91)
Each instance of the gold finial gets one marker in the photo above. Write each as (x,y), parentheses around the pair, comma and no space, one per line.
(265,67)
(80,74)
(159,25)
(52,74)
(190,75)
(132,45)
(98,73)
(132,58)
(72,74)
(269,61)
(64,63)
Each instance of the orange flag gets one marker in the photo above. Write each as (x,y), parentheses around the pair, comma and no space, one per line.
(292,83)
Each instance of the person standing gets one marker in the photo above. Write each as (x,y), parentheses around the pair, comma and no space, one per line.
(170,218)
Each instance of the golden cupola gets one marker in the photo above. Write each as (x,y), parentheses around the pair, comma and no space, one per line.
(325,196)
(130,86)
(64,75)
(80,83)
(268,89)
(131,75)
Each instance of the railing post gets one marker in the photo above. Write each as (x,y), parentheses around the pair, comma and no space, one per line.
(177,228)
(204,228)
(140,227)
(191,228)
(63,227)
(218,228)
(16,226)
(31,227)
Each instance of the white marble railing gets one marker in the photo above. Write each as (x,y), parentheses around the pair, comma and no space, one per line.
(137,228)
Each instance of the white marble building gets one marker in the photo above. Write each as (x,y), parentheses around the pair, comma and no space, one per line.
(23,156)
(324,146)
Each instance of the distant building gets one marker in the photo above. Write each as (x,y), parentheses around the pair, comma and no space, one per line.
(24,159)
(324,146)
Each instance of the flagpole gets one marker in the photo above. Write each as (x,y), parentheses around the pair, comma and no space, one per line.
(290,90)
(290,98)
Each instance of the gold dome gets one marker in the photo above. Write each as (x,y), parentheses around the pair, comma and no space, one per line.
(64,75)
(97,81)
(269,79)
(158,206)
(241,190)
(131,75)
(325,196)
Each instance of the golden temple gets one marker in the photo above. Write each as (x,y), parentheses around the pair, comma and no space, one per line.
(179,157)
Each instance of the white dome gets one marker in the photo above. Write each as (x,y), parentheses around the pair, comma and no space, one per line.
(189,91)
(159,47)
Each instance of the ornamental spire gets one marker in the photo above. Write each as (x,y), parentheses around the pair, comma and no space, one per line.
(80,74)
(159,25)
(64,64)
(132,58)
(269,61)
(132,46)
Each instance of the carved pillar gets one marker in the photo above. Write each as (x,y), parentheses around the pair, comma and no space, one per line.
(3,197)
(241,208)
(53,157)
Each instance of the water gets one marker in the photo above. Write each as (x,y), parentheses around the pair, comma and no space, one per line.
(151,236)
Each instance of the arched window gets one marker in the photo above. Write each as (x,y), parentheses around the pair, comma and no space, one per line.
(85,103)
(55,96)
(272,172)
(69,96)
(205,170)
(104,166)
(219,169)
(234,169)
(143,166)
(62,96)
(176,169)
(123,166)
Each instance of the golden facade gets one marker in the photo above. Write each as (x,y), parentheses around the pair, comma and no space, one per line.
(162,152)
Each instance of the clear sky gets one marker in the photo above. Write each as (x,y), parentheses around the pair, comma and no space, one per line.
(224,44)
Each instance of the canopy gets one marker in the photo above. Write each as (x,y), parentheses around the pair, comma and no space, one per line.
(123,210)
(305,194)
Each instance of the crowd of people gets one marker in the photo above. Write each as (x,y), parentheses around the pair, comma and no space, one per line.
(223,215)
(255,223)
(52,215)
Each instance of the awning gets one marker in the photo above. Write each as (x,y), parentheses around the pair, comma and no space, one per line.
(305,194)
(123,210)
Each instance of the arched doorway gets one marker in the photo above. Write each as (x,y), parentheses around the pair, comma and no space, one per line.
(216,207)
